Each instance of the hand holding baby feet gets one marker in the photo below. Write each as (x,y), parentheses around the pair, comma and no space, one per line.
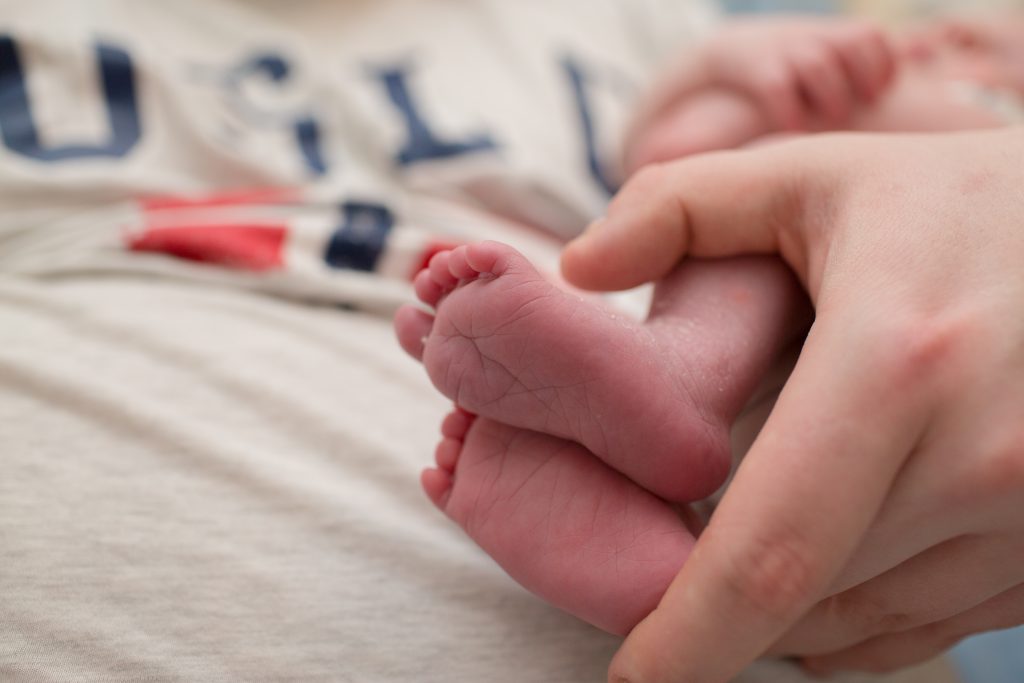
(653,400)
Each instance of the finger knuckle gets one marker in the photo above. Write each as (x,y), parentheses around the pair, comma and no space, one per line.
(775,578)
(926,348)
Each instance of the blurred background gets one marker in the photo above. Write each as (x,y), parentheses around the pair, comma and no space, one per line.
(996,657)
(890,11)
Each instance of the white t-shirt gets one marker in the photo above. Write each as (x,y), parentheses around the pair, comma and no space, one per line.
(310,148)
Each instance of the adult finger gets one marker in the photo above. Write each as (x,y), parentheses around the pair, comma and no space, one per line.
(899,650)
(939,584)
(721,204)
(809,488)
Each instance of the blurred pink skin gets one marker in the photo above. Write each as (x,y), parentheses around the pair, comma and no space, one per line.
(994,45)
(945,53)
(920,99)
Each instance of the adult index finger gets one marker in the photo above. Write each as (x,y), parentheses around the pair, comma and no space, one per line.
(808,490)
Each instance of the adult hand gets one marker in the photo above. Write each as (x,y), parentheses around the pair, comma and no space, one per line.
(879,516)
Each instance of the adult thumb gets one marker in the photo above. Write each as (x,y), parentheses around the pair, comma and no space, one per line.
(767,200)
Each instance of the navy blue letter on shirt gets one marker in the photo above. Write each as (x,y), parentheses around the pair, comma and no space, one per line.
(422,144)
(305,127)
(359,242)
(18,128)
(577,81)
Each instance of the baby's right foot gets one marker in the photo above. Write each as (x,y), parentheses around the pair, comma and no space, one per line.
(558,520)
(653,400)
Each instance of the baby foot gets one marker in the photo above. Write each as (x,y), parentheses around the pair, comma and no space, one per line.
(652,400)
(559,521)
